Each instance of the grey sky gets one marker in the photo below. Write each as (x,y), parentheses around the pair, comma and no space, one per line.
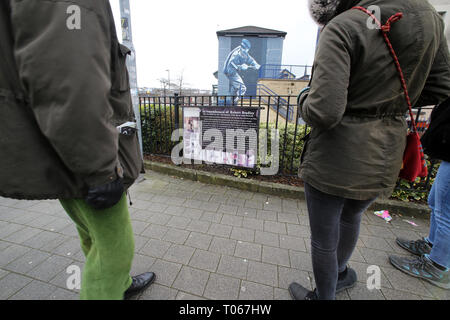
(181,35)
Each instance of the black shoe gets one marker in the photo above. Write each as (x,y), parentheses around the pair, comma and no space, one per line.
(139,283)
(298,292)
(347,281)
(422,268)
(418,247)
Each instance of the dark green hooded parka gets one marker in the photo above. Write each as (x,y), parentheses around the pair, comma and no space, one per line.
(63,90)
(356,105)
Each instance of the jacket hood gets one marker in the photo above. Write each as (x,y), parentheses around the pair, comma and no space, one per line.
(322,11)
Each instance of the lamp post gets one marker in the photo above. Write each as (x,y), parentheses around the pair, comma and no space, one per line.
(168,71)
(127,38)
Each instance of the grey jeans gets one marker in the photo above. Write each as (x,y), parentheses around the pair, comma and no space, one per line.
(335,224)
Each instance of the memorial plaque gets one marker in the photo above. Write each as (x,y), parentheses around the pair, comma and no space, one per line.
(222,135)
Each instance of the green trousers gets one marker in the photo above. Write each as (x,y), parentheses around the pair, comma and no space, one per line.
(107,242)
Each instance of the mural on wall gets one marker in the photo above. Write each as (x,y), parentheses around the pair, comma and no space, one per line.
(242,64)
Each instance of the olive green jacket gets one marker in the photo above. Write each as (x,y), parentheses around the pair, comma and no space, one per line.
(356,105)
(63,90)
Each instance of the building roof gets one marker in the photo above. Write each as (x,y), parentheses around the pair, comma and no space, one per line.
(251,31)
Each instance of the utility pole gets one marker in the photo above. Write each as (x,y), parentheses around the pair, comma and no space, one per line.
(127,39)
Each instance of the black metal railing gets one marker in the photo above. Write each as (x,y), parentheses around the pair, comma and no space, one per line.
(287,72)
(160,116)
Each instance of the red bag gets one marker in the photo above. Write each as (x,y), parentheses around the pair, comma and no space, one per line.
(414,164)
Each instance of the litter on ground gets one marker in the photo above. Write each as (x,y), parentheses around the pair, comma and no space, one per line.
(384,214)
(411,223)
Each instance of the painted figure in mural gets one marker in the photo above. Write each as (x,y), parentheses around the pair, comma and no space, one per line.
(239,60)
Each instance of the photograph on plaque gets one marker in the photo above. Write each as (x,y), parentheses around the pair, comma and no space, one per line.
(191,136)
(239,129)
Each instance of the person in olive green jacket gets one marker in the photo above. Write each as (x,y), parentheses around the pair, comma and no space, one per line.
(356,108)
(64,90)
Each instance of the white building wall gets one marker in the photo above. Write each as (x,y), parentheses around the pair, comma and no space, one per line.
(443,7)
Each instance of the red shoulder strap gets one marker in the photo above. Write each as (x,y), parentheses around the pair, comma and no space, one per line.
(385,30)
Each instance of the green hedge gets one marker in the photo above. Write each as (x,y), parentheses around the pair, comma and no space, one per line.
(415,191)
(289,156)
(158,123)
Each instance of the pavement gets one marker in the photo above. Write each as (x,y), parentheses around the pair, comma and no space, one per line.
(203,242)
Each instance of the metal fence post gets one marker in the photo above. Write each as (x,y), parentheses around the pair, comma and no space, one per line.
(177,111)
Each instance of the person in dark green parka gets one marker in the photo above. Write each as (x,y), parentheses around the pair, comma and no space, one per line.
(356,108)
(64,90)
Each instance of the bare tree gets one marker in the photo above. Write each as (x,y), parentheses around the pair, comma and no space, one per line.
(164,84)
(180,82)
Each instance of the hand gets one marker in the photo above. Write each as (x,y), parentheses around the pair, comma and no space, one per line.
(105,196)
(243,67)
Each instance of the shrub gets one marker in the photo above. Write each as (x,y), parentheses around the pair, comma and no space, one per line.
(289,156)
(415,191)
(158,123)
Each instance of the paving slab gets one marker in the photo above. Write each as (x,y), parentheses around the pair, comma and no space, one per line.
(203,242)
